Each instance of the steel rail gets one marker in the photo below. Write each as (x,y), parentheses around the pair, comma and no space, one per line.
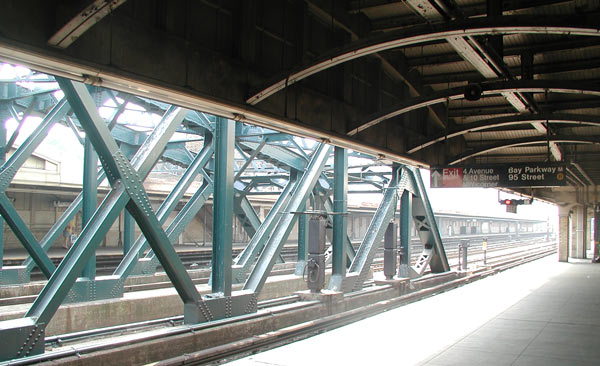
(282,270)
(326,323)
(307,329)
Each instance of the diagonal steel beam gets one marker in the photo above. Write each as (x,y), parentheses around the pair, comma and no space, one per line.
(250,158)
(245,213)
(359,269)
(15,115)
(25,236)
(128,263)
(125,179)
(7,173)
(189,211)
(12,165)
(305,185)
(60,224)
(245,259)
(279,153)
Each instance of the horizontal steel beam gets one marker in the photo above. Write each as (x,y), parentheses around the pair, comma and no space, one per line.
(488,88)
(432,32)
(577,119)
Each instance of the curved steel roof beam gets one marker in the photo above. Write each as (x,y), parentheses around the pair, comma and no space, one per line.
(433,32)
(524,142)
(577,119)
(488,88)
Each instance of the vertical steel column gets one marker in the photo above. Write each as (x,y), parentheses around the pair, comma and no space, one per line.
(128,231)
(340,206)
(596,233)
(405,228)
(223,206)
(563,233)
(90,197)
(302,240)
(390,253)
(2,160)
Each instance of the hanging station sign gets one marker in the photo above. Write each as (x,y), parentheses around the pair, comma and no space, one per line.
(501,176)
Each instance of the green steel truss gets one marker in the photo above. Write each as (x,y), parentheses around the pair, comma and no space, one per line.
(232,163)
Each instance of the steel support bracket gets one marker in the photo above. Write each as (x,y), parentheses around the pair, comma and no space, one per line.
(13,275)
(214,307)
(20,338)
(100,288)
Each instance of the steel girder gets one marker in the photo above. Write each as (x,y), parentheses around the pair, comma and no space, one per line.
(405,233)
(302,242)
(76,205)
(359,268)
(128,232)
(406,183)
(433,253)
(488,88)
(147,265)
(430,32)
(349,248)
(90,197)
(125,179)
(578,119)
(244,260)
(305,184)
(280,154)
(223,207)
(60,224)
(524,142)
(131,258)
(245,213)
(7,173)
(340,206)
(291,159)
(83,21)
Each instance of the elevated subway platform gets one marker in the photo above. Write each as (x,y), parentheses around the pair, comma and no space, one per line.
(542,313)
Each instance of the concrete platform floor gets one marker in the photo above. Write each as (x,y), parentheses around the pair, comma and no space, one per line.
(543,313)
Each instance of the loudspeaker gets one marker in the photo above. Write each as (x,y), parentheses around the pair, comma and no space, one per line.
(473,92)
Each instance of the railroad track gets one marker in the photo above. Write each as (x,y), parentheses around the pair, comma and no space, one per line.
(201,256)
(377,265)
(78,344)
